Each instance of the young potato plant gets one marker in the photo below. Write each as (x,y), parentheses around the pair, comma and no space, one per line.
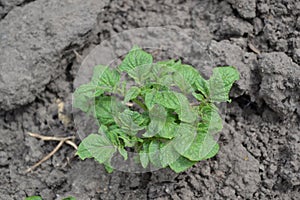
(165,112)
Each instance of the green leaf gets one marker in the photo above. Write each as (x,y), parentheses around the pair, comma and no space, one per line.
(140,73)
(84,97)
(112,135)
(83,152)
(108,168)
(105,109)
(136,57)
(122,88)
(212,152)
(34,198)
(165,98)
(182,84)
(185,136)
(221,82)
(129,121)
(181,164)
(132,93)
(158,116)
(163,154)
(98,73)
(105,76)
(96,146)
(202,86)
(136,117)
(154,153)
(89,90)
(109,78)
(204,146)
(185,77)
(166,63)
(123,152)
(162,73)
(199,97)
(168,99)
(168,154)
(169,130)
(104,79)
(144,159)
(184,109)
(188,72)
(172,149)
(150,98)
(211,118)
(129,141)
(172,100)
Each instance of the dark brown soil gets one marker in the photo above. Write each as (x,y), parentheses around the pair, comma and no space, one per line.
(260,143)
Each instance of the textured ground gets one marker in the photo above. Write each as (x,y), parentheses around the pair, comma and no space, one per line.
(260,150)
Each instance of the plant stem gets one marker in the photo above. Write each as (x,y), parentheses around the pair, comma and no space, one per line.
(142,105)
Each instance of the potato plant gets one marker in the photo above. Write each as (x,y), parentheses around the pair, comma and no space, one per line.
(163,111)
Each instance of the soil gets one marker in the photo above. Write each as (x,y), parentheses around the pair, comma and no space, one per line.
(259,156)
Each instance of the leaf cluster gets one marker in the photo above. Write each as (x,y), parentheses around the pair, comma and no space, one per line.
(164,111)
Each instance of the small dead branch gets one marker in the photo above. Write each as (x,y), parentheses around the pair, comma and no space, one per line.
(69,142)
(46,157)
(253,48)
(50,138)
(78,56)
(62,140)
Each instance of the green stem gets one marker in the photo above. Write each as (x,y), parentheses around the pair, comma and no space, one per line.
(138,102)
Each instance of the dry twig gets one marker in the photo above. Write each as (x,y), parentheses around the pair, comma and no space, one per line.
(62,140)
(50,138)
(253,48)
